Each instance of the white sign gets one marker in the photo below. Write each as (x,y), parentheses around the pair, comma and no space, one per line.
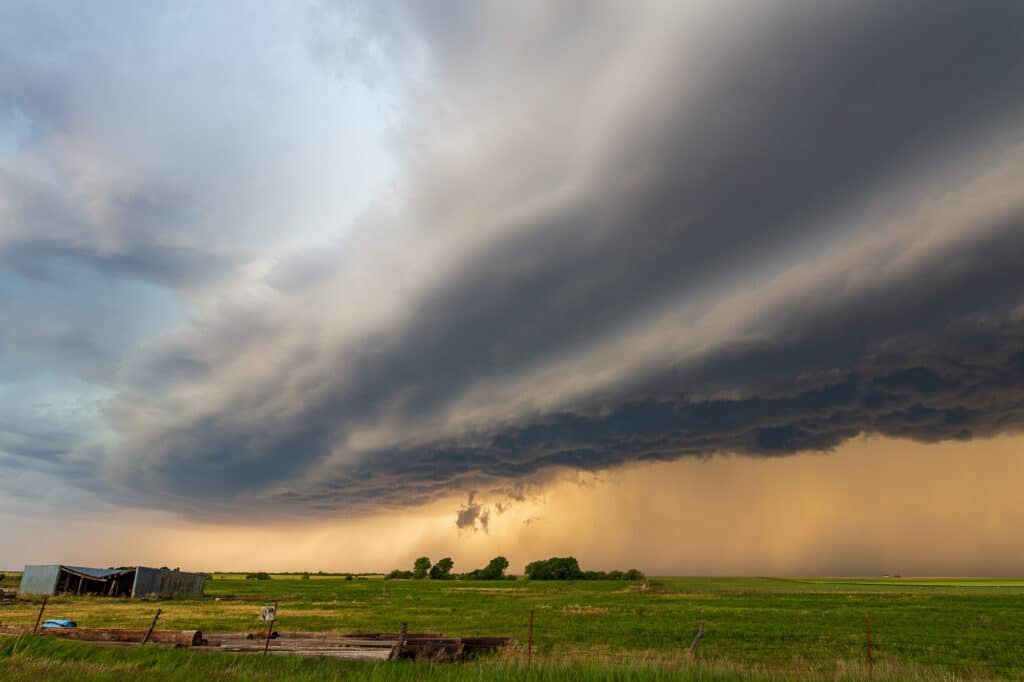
(268,613)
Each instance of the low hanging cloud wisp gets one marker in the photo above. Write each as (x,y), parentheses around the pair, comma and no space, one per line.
(636,234)
(473,516)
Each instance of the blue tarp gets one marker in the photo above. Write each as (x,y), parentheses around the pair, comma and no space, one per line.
(59,623)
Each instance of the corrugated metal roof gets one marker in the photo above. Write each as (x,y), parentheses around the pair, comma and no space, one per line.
(96,572)
(164,582)
(39,579)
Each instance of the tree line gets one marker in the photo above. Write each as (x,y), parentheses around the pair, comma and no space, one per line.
(553,568)
(567,568)
(442,570)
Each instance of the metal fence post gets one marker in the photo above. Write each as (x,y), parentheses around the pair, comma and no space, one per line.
(529,642)
(867,629)
(39,618)
(270,629)
(152,625)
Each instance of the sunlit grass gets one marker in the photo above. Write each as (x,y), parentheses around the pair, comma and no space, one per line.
(809,628)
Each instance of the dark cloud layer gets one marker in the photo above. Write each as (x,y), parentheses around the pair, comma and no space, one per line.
(930,395)
(799,222)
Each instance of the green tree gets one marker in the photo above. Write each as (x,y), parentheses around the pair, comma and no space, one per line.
(555,568)
(495,570)
(442,570)
(420,568)
(399,574)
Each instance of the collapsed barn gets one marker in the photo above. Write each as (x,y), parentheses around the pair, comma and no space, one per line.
(129,581)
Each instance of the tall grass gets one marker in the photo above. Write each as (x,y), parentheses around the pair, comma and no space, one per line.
(28,658)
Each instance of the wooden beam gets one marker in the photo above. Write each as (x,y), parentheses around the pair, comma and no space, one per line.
(177,637)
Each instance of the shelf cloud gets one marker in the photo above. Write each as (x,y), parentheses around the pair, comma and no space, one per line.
(546,240)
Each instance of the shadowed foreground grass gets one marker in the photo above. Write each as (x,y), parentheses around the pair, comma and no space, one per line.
(28,658)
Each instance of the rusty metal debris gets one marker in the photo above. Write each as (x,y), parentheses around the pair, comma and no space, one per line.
(373,646)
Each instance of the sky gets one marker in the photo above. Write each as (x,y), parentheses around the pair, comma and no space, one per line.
(695,287)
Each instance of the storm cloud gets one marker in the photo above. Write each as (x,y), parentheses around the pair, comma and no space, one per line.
(638,233)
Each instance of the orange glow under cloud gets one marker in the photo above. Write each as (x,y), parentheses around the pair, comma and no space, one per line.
(875,506)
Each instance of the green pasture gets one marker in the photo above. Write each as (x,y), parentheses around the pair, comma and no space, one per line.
(794,628)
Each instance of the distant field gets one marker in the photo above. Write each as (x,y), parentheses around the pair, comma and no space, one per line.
(803,628)
(10,579)
(298,576)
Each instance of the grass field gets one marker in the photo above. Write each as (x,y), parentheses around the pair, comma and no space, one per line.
(754,629)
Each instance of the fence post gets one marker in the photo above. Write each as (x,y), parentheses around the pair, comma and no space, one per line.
(700,633)
(529,642)
(270,629)
(39,618)
(396,650)
(152,625)
(867,629)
